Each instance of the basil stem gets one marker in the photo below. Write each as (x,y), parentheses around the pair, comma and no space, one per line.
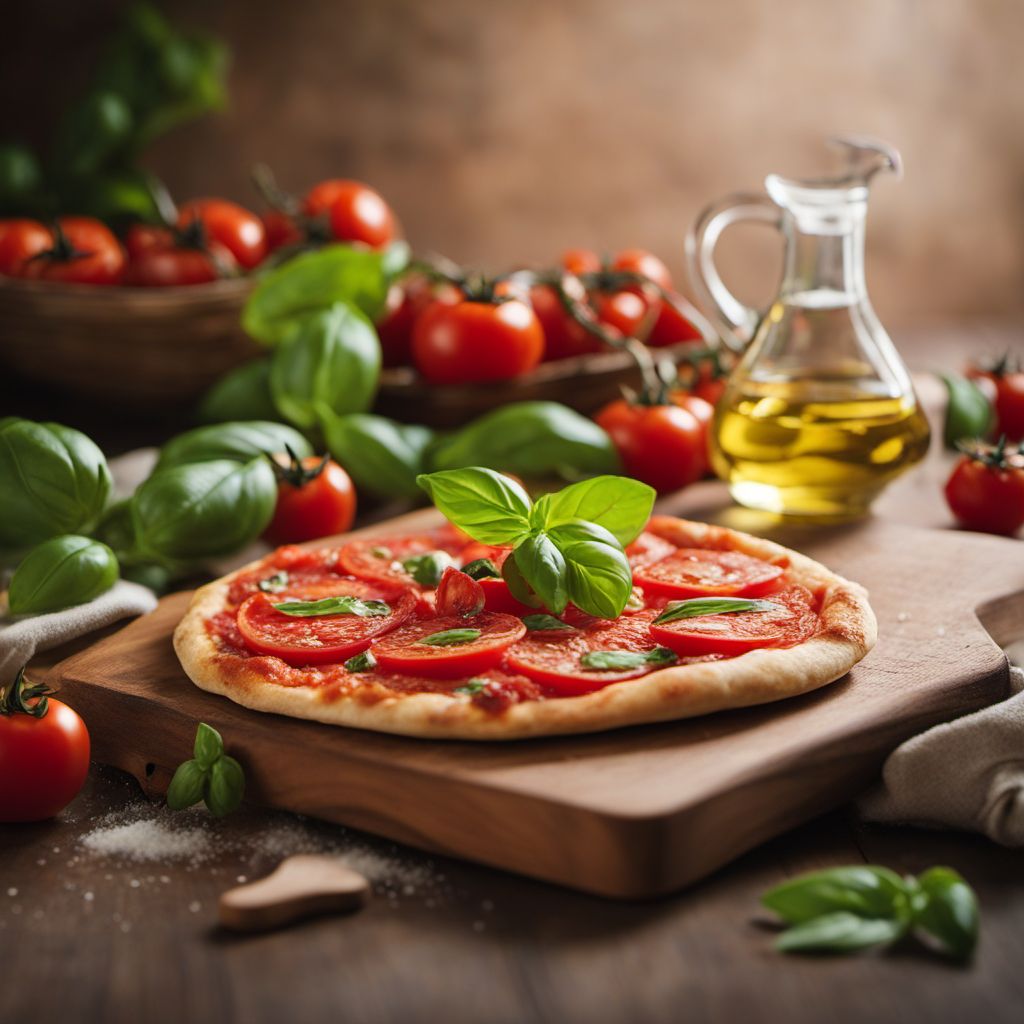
(695,607)
(450,637)
(346,605)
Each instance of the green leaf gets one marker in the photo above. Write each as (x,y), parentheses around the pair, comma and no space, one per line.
(867,891)
(186,787)
(969,413)
(428,568)
(695,607)
(481,569)
(346,605)
(950,913)
(603,661)
(491,508)
(240,442)
(61,572)
(382,457)
(598,577)
(544,622)
(274,584)
(530,439)
(471,687)
(208,746)
(225,786)
(313,282)
(361,662)
(622,506)
(517,584)
(543,566)
(327,366)
(450,637)
(839,932)
(241,394)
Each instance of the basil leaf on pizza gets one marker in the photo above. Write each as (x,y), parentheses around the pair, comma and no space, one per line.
(429,568)
(544,622)
(491,508)
(450,637)
(698,606)
(345,605)
(620,505)
(481,569)
(621,660)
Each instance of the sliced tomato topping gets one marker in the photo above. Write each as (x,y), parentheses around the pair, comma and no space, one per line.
(320,639)
(457,594)
(498,598)
(380,561)
(647,548)
(699,572)
(404,649)
(552,657)
(791,620)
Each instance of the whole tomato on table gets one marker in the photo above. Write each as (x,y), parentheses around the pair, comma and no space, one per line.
(82,250)
(238,230)
(44,753)
(1005,389)
(20,240)
(315,498)
(986,489)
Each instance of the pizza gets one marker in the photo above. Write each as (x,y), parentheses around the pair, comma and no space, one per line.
(348,635)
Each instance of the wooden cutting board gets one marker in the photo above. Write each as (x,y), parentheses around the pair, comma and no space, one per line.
(632,813)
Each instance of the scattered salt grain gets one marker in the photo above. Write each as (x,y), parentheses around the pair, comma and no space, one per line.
(902,617)
(148,841)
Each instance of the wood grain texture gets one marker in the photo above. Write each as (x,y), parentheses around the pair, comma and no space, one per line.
(633,813)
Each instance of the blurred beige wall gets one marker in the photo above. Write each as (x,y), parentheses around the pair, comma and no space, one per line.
(504,132)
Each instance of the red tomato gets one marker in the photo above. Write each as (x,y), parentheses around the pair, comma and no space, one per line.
(404,650)
(563,336)
(476,341)
(986,492)
(672,326)
(700,572)
(311,506)
(498,598)
(141,238)
(648,547)
(639,261)
(475,551)
(625,311)
(280,230)
(703,412)
(356,212)
(320,639)
(238,230)
(662,445)
(791,620)
(458,594)
(43,760)
(581,261)
(380,561)
(20,240)
(88,254)
(1009,406)
(403,306)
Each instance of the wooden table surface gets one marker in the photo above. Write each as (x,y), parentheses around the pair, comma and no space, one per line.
(95,937)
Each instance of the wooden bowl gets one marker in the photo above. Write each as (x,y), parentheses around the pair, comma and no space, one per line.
(129,347)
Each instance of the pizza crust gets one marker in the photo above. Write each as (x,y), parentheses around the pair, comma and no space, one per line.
(848,632)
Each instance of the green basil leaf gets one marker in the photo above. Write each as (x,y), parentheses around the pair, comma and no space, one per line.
(61,572)
(471,687)
(969,414)
(491,508)
(315,281)
(361,662)
(867,891)
(274,584)
(204,509)
(240,442)
(53,480)
(327,366)
(544,622)
(544,568)
(517,584)
(950,913)
(225,786)
(241,394)
(116,529)
(450,637)
(382,457)
(622,506)
(346,605)
(603,661)
(839,932)
(696,607)
(531,439)
(186,786)
(94,128)
(481,569)
(428,568)
(598,577)
(208,746)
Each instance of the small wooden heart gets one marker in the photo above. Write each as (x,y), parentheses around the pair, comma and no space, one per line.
(301,886)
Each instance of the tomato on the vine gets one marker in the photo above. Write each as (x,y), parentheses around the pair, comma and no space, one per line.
(315,498)
(662,445)
(280,230)
(406,301)
(355,211)
(640,261)
(20,240)
(672,326)
(624,310)
(239,231)
(83,251)
(563,336)
(44,753)
(986,489)
(581,261)
(161,257)
(1006,392)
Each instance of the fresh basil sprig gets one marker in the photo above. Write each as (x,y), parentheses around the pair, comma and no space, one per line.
(450,637)
(695,607)
(429,568)
(544,622)
(481,569)
(211,776)
(845,909)
(345,605)
(568,546)
(622,660)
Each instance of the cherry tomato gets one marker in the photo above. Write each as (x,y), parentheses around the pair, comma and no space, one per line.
(458,594)
(320,639)
(986,491)
(280,230)
(86,252)
(141,238)
(402,308)
(623,310)
(476,341)
(316,500)
(662,445)
(791,620)
(672,326)
(704,412)
(701,572)
(44,755)
(356,212)
(404,650)
(238,230)
(20,240)
(640,261)
(581,261)
(563,336)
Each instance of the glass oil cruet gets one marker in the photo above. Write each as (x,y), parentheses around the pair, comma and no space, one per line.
(820,413)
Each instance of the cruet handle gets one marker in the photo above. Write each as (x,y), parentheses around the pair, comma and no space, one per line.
(733,319)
